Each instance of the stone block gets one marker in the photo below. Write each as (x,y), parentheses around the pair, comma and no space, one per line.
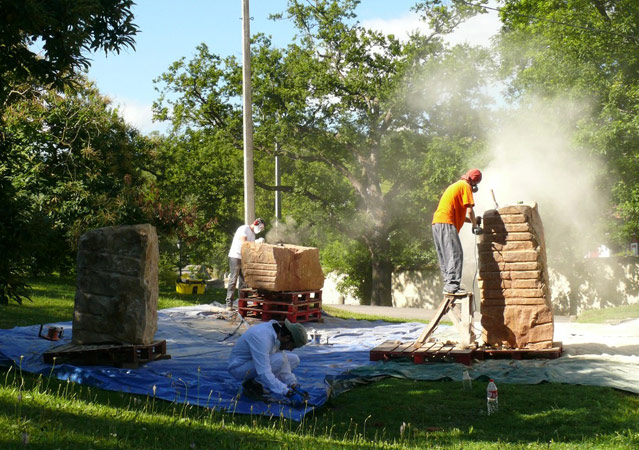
(117,286)
(515,298)
(281,267)
(506,246)
(518,326)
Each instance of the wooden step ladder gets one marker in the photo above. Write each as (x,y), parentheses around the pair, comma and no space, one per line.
(460,309)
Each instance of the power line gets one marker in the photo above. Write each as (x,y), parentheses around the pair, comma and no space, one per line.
(556,22)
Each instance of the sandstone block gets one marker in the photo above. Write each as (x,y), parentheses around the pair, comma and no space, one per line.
(518,326)
(494,284)
(513,293)
(505,246)
(492,266)
(501,301)
(505,237)
(515,299)
(281,267)
(117,286)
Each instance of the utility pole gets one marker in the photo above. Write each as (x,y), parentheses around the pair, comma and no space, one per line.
(278,194)
(249,188)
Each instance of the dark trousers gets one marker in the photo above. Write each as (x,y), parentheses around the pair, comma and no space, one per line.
(449,254)
(235,265)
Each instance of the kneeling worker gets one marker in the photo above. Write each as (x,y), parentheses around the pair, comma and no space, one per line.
(262,360)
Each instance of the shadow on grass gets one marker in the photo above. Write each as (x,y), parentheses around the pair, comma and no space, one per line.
(445,414)
(93,418)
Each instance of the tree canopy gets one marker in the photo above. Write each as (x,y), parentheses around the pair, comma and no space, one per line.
(586,50)
(359,116)
(65,32)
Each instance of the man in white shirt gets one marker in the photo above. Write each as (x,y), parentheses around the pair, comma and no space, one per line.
(262,359)
(245,233)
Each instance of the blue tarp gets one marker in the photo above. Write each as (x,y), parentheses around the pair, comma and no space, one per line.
(199,341)
(199,344)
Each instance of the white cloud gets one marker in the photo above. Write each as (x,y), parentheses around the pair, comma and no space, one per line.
(476,31)
(137,114)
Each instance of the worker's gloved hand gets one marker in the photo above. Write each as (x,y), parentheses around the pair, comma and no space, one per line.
(296,399)
(259,240)
(298,390)
(477,230)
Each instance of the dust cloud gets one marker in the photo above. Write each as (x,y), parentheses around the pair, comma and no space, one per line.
(287,231)
(534,157)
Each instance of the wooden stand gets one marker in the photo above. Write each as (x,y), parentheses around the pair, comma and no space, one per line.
(460,309)
(302,306)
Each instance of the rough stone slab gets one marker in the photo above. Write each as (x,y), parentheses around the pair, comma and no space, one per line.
(514,218)
(506,246)
(504,237)
(281,268)
(530,283)
(501,228)
(507,283)
(513,293)
(510,257)
(117,286)
(494,284)
(500,301)
(518,326)
(492,266)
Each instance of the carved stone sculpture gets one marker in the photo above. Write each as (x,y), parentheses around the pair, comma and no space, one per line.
(515,298)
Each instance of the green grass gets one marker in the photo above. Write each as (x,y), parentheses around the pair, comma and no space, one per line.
(53,299)
(609,314)
(342,314)
(390,413)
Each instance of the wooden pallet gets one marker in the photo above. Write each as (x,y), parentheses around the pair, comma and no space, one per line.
(292,297)
(300,306)
(265,305)
(313,315)
(420,354)
(519,353)
(438,352)
(119,355)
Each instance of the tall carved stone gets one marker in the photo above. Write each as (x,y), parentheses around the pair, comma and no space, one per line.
(281,267)
(117,286)
(515,298)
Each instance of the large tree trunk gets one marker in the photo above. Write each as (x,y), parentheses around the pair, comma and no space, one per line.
(382,270)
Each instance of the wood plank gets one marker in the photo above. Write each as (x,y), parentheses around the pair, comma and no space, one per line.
(441,310)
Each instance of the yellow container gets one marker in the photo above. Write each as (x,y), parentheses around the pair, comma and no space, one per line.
(192,287)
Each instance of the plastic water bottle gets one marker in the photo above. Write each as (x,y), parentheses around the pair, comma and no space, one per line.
(492,398)
(467,382)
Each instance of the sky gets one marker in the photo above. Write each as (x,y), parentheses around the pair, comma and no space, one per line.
(170,30)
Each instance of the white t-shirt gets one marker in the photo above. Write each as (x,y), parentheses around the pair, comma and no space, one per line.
(236,246)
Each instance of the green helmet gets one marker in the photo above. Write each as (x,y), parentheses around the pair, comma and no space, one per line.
(298,332)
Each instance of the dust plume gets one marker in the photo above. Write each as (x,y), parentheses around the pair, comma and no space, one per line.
(287,231)
(534,157)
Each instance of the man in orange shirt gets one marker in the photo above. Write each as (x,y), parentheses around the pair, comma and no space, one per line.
(447,221)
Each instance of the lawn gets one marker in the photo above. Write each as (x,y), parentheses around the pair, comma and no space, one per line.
(389,413)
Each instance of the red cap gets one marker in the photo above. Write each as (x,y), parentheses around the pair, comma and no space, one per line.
(473,176)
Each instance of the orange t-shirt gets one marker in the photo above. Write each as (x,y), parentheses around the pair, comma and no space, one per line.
(452,206)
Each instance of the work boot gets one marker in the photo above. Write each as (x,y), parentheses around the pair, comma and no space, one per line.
(252,389)
(456,292)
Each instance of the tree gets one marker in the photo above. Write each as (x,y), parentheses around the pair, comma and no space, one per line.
(65,31)
(585,50)
(80,167)
(358,117)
